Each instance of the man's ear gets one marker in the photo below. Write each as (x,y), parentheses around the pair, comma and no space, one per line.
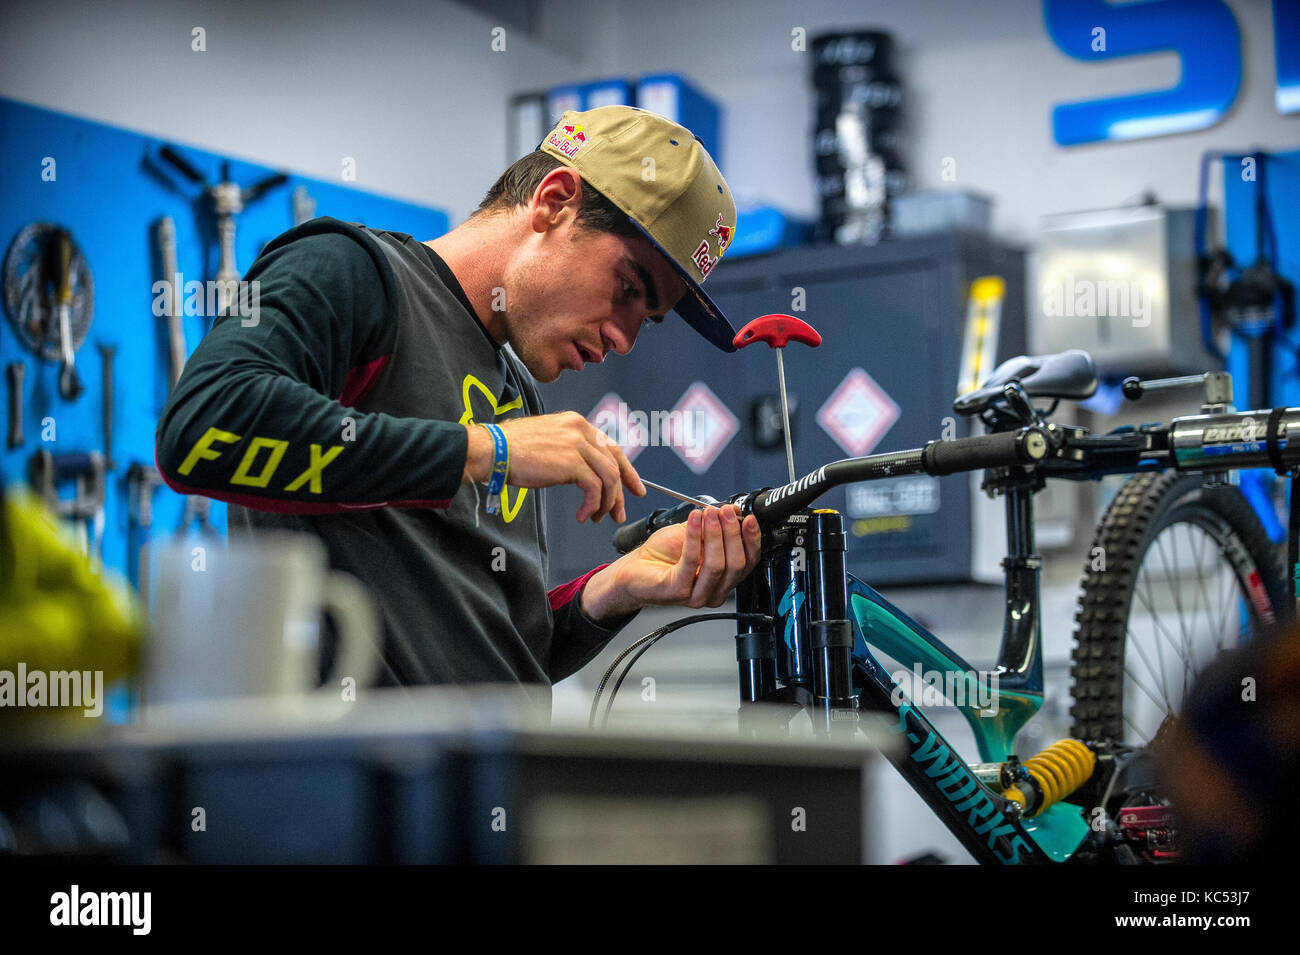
(558,197)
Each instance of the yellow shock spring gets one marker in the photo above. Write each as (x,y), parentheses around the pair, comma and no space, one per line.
(1058,770)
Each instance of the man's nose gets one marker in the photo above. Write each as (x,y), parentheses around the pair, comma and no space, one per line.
(619,333)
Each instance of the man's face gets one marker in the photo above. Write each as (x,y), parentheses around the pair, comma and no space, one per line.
(573,295)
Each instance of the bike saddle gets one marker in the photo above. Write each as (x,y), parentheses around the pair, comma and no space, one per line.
(1069,374)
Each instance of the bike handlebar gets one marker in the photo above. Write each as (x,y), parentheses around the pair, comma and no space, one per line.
(773,505)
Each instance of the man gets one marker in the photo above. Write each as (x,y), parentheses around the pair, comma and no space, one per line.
(354,406)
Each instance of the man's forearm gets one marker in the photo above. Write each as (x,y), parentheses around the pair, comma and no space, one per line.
(603,599)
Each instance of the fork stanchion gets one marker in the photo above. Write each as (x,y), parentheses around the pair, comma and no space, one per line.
(788,577)
(832,633)
(755,647)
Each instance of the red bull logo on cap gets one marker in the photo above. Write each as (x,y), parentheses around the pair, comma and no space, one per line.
(705,262)
(568,139)
(723,233)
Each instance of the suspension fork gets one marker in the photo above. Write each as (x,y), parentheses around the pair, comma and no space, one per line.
(806,659)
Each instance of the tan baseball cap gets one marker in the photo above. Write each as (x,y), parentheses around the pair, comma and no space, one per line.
(661,175)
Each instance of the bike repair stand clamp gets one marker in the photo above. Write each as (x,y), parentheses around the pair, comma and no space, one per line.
(777,330)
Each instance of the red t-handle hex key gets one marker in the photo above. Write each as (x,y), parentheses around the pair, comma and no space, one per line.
(778,330)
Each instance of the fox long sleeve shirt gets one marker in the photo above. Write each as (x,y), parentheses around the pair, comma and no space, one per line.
(336,406)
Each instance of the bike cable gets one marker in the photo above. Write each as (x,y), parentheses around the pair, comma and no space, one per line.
(650,639)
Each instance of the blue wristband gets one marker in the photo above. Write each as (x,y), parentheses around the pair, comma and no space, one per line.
(500,465)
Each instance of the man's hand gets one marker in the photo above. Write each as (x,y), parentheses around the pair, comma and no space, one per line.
(692,564)
(563,448)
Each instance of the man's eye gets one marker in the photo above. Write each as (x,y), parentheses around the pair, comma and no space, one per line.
(630,291)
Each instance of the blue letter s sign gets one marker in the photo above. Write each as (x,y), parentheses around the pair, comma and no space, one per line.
(1286,46)
(1202,32)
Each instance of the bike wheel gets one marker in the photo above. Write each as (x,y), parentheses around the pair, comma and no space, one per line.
(1177,573)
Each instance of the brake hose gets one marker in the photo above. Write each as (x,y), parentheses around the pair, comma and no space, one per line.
(650,639)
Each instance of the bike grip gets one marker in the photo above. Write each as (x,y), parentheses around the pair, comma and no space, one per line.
(1004,449)
(632,535)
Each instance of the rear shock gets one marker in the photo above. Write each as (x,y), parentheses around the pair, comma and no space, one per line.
(1043,780)
(1052,775)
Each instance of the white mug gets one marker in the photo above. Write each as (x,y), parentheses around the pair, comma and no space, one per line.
(242,618)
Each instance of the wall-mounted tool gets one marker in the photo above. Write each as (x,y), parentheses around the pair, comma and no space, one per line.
(70,386)
(196,507)
(197,513)
(304,206)
(49,297)
(15,372)
(227,200)
(141,481)
(46,470)
(106,355)
(176,353)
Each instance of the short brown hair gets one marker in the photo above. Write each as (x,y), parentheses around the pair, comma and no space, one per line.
(516,186)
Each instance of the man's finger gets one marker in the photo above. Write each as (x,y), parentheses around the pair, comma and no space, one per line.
(591,490)
(733,539)
(713,565)
(627,474)
(751,540)
(628,478)
(689,562)
(734,549)
(611,492)
(753,536)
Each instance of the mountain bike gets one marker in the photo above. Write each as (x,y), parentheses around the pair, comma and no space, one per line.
(1186,571)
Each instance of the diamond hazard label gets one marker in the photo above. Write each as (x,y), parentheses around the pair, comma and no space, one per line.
(858,413)
(699,427)
(611,416)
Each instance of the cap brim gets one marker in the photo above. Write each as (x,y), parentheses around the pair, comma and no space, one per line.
(697,308)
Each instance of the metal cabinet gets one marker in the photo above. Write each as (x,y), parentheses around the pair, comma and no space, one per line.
(895,312)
